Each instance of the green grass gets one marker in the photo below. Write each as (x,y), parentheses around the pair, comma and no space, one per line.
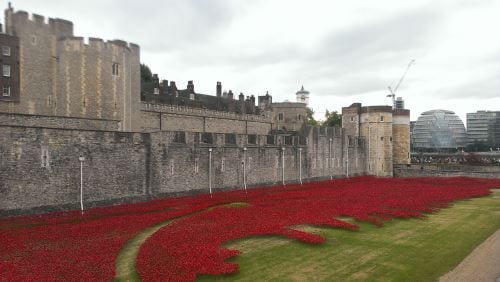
(401,250)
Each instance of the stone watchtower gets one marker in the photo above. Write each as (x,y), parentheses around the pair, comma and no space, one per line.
(386,133)
(61,75)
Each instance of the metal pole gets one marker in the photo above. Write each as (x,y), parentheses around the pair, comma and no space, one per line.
(210,171)
(330,159)
(369,139)
(300,165)
(347,159)
(81,159)
(283,165)
(244,168)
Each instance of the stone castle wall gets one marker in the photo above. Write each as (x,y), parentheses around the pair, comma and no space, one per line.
(58,122)
(173,118)
(40,170)
(446,170)
(63,76)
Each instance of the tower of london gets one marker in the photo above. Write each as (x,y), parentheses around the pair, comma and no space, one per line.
(67,98)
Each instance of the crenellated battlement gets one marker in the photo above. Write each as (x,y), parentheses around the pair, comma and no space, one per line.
(60,27)
(73,76)
(63,29)
(39,19)
(78,43)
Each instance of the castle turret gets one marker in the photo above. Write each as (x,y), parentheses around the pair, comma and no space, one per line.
(302,96)
(265,102)
(401,136)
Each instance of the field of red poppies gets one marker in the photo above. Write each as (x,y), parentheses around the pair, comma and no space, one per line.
(71,246)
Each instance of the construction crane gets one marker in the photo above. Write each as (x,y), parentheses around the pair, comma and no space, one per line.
(393,91)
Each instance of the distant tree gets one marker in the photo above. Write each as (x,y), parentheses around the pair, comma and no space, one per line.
(310,117)
(332,119)
(146,75)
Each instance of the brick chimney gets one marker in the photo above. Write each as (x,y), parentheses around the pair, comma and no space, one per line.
(218,90)
(190,87)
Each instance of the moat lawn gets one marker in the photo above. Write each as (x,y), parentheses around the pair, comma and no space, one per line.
(401,250)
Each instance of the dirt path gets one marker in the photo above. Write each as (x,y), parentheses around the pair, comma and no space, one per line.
(483,264)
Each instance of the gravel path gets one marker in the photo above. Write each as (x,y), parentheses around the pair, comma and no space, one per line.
(483,264)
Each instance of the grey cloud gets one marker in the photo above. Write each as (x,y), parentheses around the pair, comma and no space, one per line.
(377,40)
(363,51)
(160,26)
(485,87)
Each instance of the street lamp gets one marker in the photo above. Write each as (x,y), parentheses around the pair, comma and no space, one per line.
(210,171)
(81,159)
(283,165)
(330,158)
(243,162)
(300,165)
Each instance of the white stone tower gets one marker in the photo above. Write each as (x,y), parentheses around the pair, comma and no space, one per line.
(303,96)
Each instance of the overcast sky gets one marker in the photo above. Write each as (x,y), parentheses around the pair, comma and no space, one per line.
(341,51)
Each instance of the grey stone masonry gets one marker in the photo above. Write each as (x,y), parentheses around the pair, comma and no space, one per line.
(447,170)
(40,170)
(58,122)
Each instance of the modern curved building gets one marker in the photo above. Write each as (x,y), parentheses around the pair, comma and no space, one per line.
(439,130)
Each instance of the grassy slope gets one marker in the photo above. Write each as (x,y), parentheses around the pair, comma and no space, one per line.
(401,250)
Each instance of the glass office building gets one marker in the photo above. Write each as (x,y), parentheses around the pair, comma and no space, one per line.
(439,130)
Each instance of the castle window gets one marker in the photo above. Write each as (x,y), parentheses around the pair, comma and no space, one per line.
(116,68)
(6,50)
(156,91)
(381,118)
(252,139)
(33,40)
(6,70)
(6,91)
(191,96)
(300,117)
(381,138)
(352,118)
(390,139)
(280,116)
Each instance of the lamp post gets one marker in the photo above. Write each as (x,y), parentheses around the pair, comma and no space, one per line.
(330,158)
(300,165)
(210,171)
(81,159)
(283,165)
(244,163)
(347,158)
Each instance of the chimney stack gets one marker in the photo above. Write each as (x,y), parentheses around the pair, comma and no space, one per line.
(218,90)
(190,87)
